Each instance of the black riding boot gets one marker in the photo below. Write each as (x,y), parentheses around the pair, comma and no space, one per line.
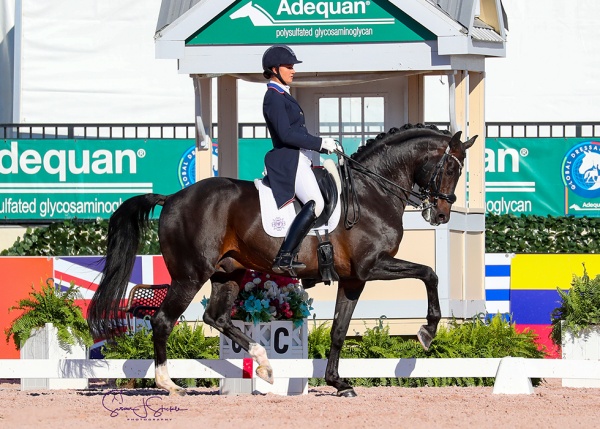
(303,222)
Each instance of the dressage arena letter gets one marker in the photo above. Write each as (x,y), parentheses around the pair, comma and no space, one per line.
(281,345)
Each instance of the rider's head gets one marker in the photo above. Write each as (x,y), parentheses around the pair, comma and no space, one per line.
(275,57)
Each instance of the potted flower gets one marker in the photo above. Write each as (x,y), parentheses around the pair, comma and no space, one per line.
(576,323)
(273,311)
(51,326)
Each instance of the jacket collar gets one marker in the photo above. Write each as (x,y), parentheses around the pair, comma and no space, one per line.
(278,87)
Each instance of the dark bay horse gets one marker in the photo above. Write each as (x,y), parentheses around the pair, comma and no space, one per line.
(213,230)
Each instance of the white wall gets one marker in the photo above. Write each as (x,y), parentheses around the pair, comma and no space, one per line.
(550,72)
(93,61)
(7,13)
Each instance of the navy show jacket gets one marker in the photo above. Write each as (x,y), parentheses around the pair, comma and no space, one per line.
(285,120)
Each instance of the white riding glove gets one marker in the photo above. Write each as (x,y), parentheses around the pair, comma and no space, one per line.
(328,144)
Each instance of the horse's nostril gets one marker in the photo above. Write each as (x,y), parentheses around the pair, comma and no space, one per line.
(442,217)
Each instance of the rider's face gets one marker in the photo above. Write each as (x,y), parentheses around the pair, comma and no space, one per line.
(287,72)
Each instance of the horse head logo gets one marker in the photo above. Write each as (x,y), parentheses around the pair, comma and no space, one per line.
(590,168)
(258,16)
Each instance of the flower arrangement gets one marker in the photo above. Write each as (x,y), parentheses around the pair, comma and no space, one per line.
(265,297)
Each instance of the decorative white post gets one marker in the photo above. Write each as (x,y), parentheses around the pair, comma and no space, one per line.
(43,344)
(281,341)
(583,345)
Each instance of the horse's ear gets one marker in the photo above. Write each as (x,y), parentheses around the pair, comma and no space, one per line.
(455,142)
(470,142)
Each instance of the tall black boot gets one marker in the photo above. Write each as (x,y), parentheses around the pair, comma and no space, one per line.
(303,222)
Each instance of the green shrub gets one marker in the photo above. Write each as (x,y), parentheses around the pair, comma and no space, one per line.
(541,234)
(184,342)
(579,307)
(472,339)
(50,305)
(74,238)
(504,233)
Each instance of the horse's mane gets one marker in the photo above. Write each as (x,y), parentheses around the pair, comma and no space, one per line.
(399,135)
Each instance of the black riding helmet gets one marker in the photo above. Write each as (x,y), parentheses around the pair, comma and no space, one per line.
(275,56)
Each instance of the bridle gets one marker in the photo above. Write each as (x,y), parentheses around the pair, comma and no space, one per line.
(427,196)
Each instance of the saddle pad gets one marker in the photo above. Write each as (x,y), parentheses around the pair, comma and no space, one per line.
(276,222)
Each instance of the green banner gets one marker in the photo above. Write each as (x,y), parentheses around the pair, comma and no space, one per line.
(250,22)
(87,179)
(542,176)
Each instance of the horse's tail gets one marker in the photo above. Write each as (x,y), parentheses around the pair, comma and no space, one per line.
(124,230)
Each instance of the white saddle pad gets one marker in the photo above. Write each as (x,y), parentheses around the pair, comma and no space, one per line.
(276,222)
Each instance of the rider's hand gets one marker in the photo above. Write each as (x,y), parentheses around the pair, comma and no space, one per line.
(328,145)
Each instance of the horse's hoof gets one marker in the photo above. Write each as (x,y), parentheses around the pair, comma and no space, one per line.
(266,373)
(177,392)
(347,393)
(424,337)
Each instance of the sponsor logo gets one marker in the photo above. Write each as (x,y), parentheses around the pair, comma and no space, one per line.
(581,171)
(187,167)
(305,12)
(64,162)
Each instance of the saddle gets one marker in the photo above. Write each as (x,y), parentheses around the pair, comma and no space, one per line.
(275,221)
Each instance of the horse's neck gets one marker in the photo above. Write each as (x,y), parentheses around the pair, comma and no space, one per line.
(401,164)
(400,167)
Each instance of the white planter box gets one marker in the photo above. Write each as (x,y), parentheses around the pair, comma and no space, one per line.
(281,341)
(585,345)
(44,344)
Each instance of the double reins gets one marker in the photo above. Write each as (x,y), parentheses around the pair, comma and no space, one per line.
(425,196)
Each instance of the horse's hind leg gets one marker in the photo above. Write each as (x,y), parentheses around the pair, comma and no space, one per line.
(179,296)
(218,315)
(347,298)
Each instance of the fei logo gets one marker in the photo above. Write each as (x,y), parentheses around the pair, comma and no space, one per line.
(187,167)
(581,169)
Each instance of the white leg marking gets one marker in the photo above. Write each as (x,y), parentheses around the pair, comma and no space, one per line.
(258,353)
(161,374)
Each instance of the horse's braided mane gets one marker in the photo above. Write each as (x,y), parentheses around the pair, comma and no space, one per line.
(400,134)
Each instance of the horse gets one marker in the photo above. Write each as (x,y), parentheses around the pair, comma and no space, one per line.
(212,230)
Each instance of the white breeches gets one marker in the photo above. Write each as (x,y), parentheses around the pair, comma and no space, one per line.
(306,184)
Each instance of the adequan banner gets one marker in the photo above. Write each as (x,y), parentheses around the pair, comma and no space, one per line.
(87,179)
(308,22)
(542,176)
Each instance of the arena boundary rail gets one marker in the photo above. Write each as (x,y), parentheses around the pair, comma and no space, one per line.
(512,375)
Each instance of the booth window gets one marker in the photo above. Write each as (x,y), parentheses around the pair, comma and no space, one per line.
(352,120)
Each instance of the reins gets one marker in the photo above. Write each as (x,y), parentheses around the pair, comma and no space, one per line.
(348,188)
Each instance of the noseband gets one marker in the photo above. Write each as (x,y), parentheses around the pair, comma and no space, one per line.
(427,196)
(432,191)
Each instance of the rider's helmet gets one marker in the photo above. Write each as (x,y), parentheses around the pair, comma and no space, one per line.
(275,56)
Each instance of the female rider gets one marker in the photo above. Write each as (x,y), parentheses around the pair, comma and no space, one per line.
(288,164)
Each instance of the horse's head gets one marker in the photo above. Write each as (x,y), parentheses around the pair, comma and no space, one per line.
(441,174)
(590,161)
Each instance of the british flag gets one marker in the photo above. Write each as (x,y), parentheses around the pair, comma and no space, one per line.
(85,273)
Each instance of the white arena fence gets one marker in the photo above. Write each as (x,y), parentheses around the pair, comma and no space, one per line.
(513,375)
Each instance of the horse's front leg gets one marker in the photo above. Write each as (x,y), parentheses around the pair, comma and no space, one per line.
(389,268)
(218,315)
(347,297)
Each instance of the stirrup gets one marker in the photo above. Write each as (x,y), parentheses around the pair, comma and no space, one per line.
(286,264)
